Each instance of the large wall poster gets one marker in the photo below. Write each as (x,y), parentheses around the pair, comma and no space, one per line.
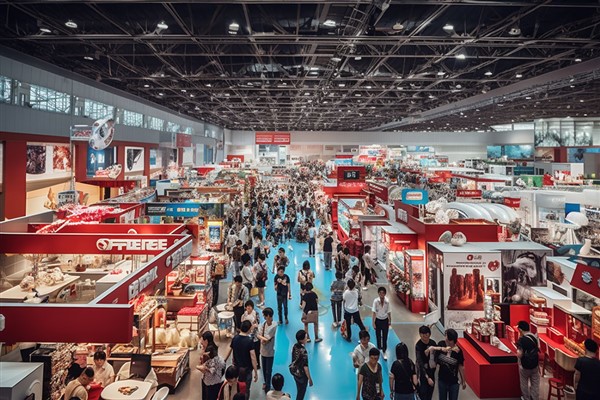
(99,160)
(435,263)
(521,270)
(48,161)
(467,278)
(155,158)
(134,159)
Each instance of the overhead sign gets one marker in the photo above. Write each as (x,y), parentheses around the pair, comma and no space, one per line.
(415,196)
(185,210)
(279,138)
(351,175)
(105,244)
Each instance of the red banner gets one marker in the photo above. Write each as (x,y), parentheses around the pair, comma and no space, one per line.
(97,243)
(514,202)
(468,193)
(279,138)
(184,140)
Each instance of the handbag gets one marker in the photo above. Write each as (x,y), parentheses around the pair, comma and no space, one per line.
(311,318)
(254,292)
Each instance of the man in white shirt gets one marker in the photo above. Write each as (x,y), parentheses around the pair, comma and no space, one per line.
(312,237)
(351,312)
(382,319)
(103,371)
(266,334)
(360,355)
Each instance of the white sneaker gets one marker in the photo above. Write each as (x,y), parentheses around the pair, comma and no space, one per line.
(334,325)
(365,288)
(385,356)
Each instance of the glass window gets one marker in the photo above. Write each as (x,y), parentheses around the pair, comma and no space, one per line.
(172,127)
(96,110)
(132,118)
(5,89)
(156,124)
(41,98)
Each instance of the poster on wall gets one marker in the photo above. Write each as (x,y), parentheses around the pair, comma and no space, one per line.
(155,158)
(519,152)
(48,161)
(435,262)
(521,270)
(467,278)
(134,159)
(575,154)
(494,151)
(99,161)
(214,232)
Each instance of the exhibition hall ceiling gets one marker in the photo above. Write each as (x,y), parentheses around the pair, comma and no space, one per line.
(328,65)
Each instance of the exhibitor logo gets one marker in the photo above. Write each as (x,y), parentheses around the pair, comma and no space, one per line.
(105,244)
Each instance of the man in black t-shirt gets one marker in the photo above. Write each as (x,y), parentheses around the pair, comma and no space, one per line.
(451,361)
(284,293)
(587,372)
(527,352)
(244,356)
(425,370)
(327,250)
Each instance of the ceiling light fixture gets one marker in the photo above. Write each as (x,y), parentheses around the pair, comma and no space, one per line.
(208,85)
(514,31)
(71,24)
(162,25)
(45,30)
(518,75)
(234,27)
(448,28)
(576,60)
(341,84)
(146,85)
(460,56)
(161,94)
(398,26)
(336,58)
(441,73)
(330,23)
(88,58)
(488,73)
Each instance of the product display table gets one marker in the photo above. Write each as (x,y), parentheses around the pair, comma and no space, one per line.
(499,380)
(111,392)
(16,294)
(171,367)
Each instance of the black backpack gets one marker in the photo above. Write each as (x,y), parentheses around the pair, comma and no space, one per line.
(529,358)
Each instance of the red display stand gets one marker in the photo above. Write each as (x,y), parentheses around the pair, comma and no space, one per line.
(498,380)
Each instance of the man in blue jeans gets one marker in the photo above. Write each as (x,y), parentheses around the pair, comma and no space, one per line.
(266,335)
(451,372)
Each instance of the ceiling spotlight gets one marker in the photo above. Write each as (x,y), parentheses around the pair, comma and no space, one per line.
(341,84)
(458,86)
(514,31)
(162,25)
(448,28)
(234,27)
(518,75)
(88,58)
(357,94)
(330,23)
(488,73)
(146,85)
(208,85)
(45,30)
(192,96)
(576,60)
(161,94)
(336,58)
(398,26)
(183,90)
(460,56)
(441,73)
(71,24)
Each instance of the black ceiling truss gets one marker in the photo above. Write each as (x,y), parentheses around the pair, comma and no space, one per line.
(328,65)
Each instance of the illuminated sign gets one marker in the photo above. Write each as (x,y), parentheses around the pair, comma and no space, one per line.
(105,244)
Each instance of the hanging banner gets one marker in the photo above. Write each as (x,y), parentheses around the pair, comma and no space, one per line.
(279,138)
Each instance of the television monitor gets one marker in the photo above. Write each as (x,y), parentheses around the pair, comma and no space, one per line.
(140,365)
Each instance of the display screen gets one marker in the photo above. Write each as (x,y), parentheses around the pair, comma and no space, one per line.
(351,175)
(519,152)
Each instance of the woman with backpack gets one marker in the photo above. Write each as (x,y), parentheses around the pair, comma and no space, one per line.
(403,375)
(305,275)
(212,367)
(299,366)
(260,278)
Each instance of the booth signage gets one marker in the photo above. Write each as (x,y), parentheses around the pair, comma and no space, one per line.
(351,175)
(185,210)
(68,197)
(379,191)
(402,215)
(184,140)
(587,279)
(105,244)
(179,255)
(278,138)
(142,282)
(415,196)
(468,193)
(514,202)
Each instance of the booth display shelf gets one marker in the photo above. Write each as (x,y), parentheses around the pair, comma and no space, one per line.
(16,294)
(171,367)
(491,353)
(489,380)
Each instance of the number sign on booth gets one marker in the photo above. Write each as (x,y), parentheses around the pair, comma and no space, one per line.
(352,175)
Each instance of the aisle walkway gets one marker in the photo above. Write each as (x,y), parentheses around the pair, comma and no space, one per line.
(330,364)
